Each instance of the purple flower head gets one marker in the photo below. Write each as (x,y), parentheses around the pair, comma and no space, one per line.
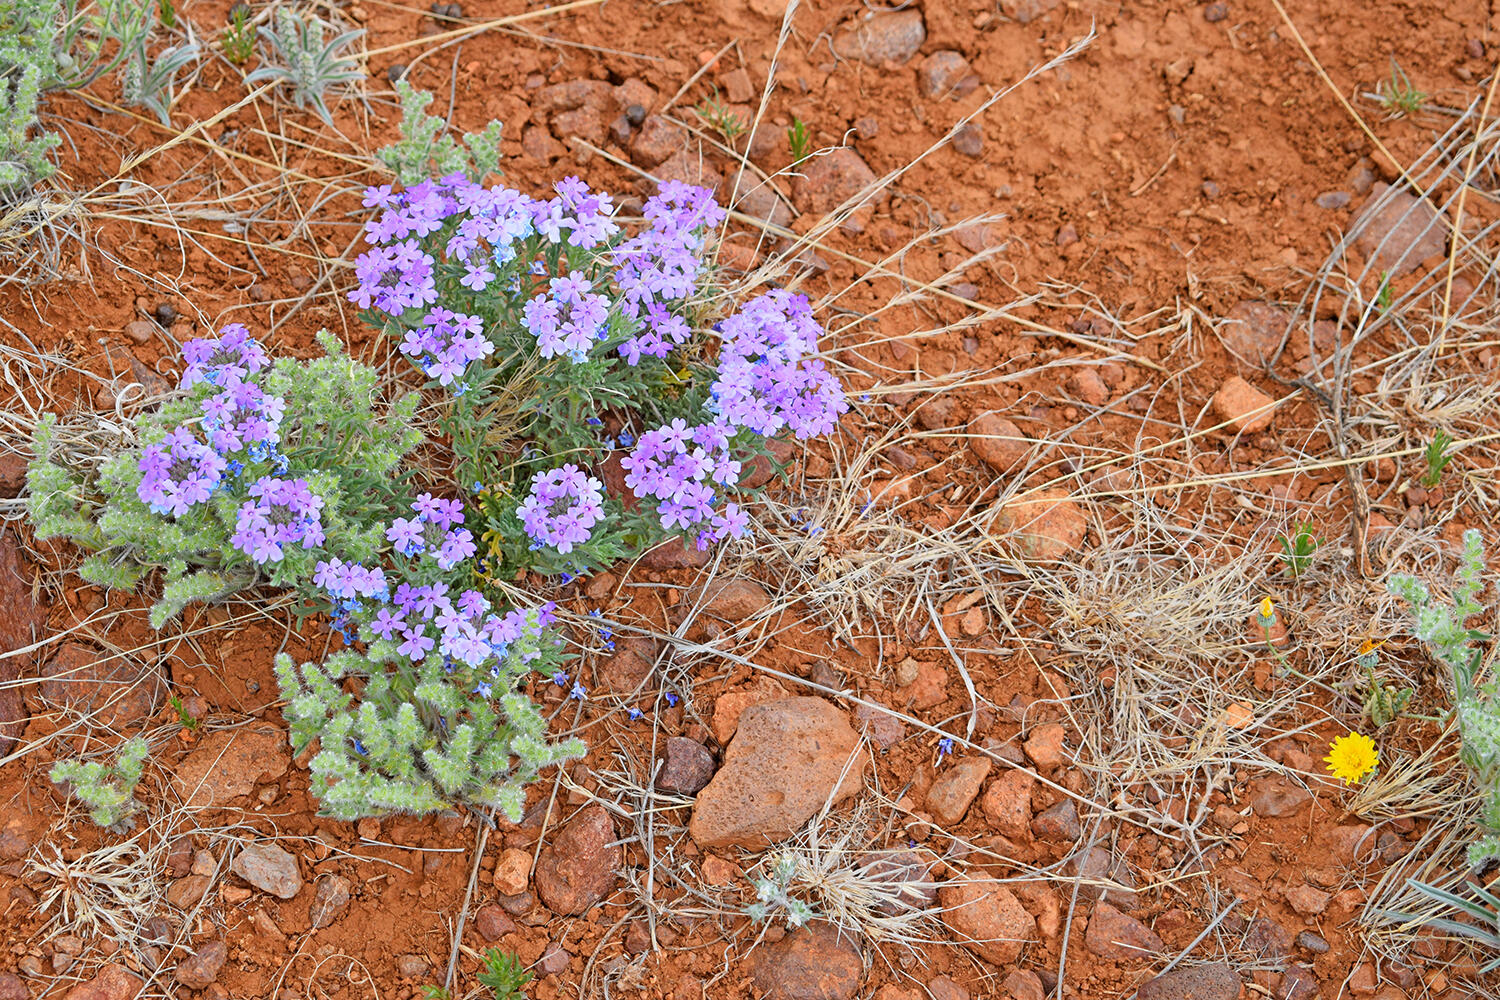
(562,508)
(584,216)
(394,278)
(446,344)
(282,513)
(242,415)
(224,360)
(178,472)
(767,382)
(568,319)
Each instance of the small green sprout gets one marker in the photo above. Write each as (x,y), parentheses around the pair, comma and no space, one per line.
(798,141)
(716,115)
(107,789)
(1385,296)
(1437,458)
(1298,549)
(168,13)
(504,975)
(238,41)
(1399,95)
(188,722)
(436,993)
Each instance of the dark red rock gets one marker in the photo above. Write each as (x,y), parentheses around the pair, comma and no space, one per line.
(686,766)
(201,969)
(578,869)
(814,962)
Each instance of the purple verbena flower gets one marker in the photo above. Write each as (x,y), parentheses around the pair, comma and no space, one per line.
(562,508)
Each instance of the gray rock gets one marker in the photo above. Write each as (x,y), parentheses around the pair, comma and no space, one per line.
(201,969)
(1215,981)
(330,901)
(270,869)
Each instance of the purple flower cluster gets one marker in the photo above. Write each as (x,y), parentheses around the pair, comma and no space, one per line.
(585,217)
(241,421)
(767,382)
(436,530)
(395,278)
(349,581)
(562,508)
(568,319)
(285,512)
(179,472)
(227,359)
(242,415)
(661,265)
(446,344)
(679,466)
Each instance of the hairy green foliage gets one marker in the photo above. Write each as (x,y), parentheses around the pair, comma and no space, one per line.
(305,61)
(426,150)
(413,740)
(1443,627)
(773,894)
(26,64)
(107,789)
(333,426)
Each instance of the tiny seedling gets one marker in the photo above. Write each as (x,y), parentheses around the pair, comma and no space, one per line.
(798,141)
(716,115)
(504,975)
(1437,458)
(1297,550)
(1398,95)
(188,722)
(1383,704)
(1385,296)
(107,789)
(436,993)
(773,894)
(306,62)
(238,41)
(168,14)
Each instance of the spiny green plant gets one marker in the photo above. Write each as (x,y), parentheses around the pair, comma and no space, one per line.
(1385,295)
(304,61)
(1437,458)
(1399,95)
(716,115)
(151,81)
(1298,548)
(1443,627)
(107,789)
(238,40)
(504,975)
(426,149)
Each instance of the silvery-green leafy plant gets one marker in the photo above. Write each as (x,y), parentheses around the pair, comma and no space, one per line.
(305,61)
(1444,628)
(107,789)
(773,893)
(151,81)
(27,63)
(210,498)
(425,148)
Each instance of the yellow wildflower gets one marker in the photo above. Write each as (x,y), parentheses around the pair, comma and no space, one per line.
(1267,612)
(1352,757)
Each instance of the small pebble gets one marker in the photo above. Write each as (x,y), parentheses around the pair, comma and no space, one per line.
(969,140)
(635,114)
(1333,200)
(1210,190)
(1476,49)
(395,71)
(1215,12)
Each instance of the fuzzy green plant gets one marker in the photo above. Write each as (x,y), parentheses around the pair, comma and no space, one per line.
(1443,627)
(426,149)
(107,789)
(27,63)
(773,893)
(332,426)
(304,60)
(418,736)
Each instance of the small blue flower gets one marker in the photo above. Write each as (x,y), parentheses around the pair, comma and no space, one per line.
(671,698)
(482,689)
(945,746)
(566,578)
(610,645)
(359,748)
(864,397)
(560,678)
(635,714)
(626,440)
(578,692)
(478,486)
